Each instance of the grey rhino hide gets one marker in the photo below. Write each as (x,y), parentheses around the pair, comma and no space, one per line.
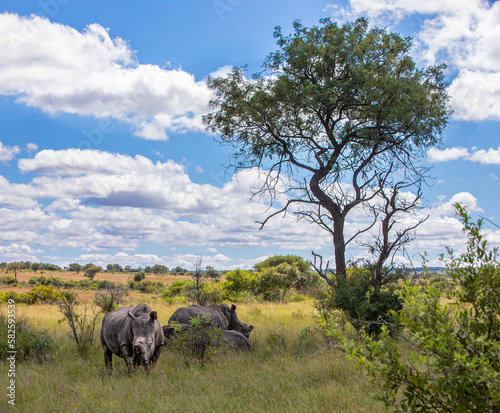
(132,333)
(234,339)
(220,315)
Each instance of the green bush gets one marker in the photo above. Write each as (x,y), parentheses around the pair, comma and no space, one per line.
(31,344)
(8,280)
(176,289)
(455,361)
(42,280)
(110,298)
(43,294)
(198,341)
(240,282)
(139,276)
(360,302)
(440,282)
(147,286)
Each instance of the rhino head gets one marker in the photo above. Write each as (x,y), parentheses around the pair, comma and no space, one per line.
(238,325)
(144,338)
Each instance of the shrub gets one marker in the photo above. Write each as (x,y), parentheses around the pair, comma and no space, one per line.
(176,289)
(147,286)
(31,344)
(456,366)
(197,341)
(82,320)
(139,276)
(8,280)
(439,282)
(43,294)
(360,302)
(239,282)
(109,299)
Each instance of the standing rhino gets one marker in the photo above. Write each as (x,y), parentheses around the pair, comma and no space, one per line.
(220,315)
(132,333)
(234,339)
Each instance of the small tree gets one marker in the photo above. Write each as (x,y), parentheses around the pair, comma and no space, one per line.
(82,319)
(455,361)
(280,273)
(35,266)
(159,269)
(15,267)
(139,276)
(109,299)
(75,267)
(196,340)
(91,271)
(211,272)
(198,281)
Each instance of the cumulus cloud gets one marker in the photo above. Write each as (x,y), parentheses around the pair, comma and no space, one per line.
(462,33)
(483,156)
(100,201)
(8,152)
(59,69)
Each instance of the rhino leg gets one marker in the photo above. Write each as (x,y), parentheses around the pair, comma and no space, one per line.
(156,354)
(128,357)
(108,360)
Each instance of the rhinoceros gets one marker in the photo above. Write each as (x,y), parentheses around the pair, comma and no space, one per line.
(234,339)
(132,333)
(220,315)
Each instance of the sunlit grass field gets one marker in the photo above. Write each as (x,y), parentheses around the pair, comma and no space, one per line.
(288,370)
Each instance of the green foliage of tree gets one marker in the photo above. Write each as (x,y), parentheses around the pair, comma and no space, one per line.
(334,105)
(139,276)
(239,282)
(211,272)
(35,266)
(114,268)
(15,267)
(276,281)
(280,273)
(159,269)
(91,271)
(75,267)
(454,364)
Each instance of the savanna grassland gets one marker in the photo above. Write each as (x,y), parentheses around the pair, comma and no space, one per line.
(289,369)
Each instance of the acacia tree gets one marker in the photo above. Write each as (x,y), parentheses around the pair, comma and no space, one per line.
(335,112)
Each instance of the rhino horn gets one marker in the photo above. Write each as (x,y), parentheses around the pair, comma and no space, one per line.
(133,317)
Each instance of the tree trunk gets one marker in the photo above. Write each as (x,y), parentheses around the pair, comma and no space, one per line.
(339,245)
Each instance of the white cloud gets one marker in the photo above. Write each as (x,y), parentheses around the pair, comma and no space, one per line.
(485,157)
(18,252)
(31,147)
(58,69)
(8,152)
(462,33)
(99,201)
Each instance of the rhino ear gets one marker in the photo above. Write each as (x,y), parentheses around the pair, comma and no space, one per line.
(154,315)
(131,315)
(233,308)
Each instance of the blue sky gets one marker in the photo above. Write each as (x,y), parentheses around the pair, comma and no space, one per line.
(104,159)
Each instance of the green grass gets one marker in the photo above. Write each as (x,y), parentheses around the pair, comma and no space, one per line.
(282,374)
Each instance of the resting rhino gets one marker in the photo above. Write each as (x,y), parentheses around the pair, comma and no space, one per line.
(220,315)
(132,333)
(233,338)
